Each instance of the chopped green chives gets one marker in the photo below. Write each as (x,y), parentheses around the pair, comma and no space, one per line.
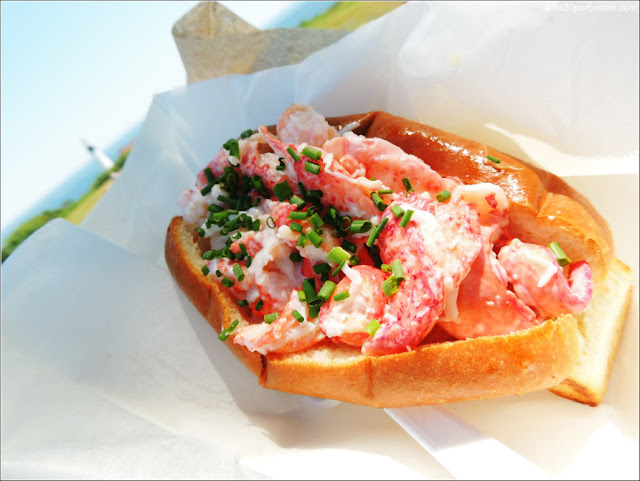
(354,260)
(227,282)
(299,317)
(208,255)
(231,225)
(309,289)
(255,225)
(294,155)
(301,296)
(349,246)
(249,261)
(206,189)
(372,327)
(209,174)
(397,211)
(311,153)
(247,133)
(314,310)
(559,254)
(233,147)
(311,167)
(377,200)
(295,257)
(282,190)
(407,185)
(269,318)
(296,215)
(218,273)
(243,303)
(226,332)
(296,227)
(326,290)
(300,203)
(200,231)
(302,240)
(376,232)
(259,304)
(338,255)
(228,200)
(398,272)
(322,268)
(493,159)
(386,268)
(281,165)
(239,273)
(406,218)
(390,286)
(257,183)
(219,216)
(243,249)
(315,194)
(341,296)
(346,223)
(385,191)
(315,239)
(205,270)
(245,202)
(338,269)
(360,226)
(331,217)
(271,223)
(444,195)
(316,221)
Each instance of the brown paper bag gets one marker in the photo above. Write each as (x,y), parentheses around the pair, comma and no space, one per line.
(213,41)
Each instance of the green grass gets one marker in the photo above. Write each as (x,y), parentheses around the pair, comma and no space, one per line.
(350,15)
(25,230)
(87,203)
(73,211)
(342,16)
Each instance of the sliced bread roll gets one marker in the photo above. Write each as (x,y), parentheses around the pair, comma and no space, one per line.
(436,372)
(571,354)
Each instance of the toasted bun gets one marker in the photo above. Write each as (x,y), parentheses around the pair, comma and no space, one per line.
(555,354)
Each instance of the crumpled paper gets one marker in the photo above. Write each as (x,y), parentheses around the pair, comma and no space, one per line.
(109,372)
(213,41)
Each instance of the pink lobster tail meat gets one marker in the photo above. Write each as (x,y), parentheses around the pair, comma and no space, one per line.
(540,282)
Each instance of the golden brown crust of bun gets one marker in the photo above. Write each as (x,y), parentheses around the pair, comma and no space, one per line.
(434,373)
(544,208)
(183,254)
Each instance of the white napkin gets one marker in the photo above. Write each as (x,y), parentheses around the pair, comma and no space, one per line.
(109,372)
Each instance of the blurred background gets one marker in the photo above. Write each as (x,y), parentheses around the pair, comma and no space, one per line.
(77,79)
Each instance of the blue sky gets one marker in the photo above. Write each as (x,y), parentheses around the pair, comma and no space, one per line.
(85,70)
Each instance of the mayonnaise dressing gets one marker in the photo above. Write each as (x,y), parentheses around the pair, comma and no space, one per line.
(351,314)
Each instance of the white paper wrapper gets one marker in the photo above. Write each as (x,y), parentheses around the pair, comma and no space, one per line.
(109,372)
